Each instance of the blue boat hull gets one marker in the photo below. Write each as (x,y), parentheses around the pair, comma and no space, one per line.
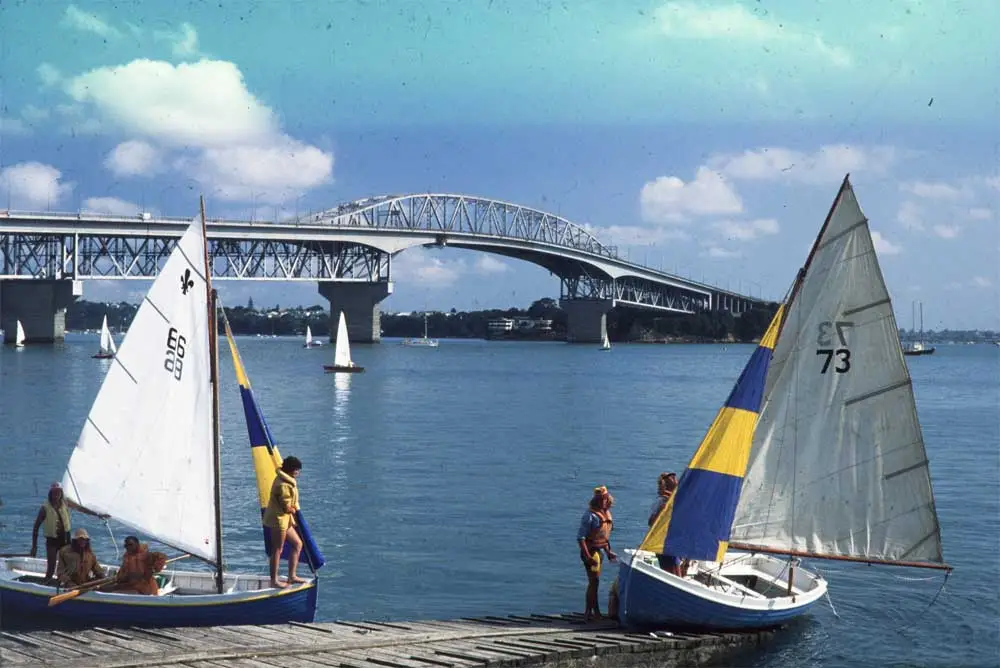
(648,603)
(19,609)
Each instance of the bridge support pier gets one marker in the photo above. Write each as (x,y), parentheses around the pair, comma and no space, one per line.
(360,304)
(40,305)
(586,319)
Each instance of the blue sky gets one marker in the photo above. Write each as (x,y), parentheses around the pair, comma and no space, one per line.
(707,138)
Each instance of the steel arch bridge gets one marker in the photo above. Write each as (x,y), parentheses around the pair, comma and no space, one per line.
(353,242)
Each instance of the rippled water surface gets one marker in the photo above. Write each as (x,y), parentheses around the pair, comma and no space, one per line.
(449,482)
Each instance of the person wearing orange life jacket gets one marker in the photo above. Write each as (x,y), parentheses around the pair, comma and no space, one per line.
(593,536)
(135,576)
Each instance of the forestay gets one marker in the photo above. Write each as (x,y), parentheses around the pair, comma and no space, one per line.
(144,455)
(342,352)
(837,464)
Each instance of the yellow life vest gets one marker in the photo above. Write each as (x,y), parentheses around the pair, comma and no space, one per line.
(52,517)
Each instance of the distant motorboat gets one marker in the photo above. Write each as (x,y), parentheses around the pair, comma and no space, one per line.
(424,342)
(342,352)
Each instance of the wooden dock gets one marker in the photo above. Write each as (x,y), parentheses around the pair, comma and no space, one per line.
(534,640)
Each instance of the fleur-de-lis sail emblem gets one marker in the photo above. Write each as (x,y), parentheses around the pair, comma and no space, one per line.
(186,282)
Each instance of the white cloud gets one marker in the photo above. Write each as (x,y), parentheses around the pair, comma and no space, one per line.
(935,190)
(110,205)
(910,216)
(13,126)
(827,165)
(883,246)
(669,199)
(980,213)
(981,282)
(746,230)
(48,74)
(734,23)
(636,235)
(34,114)
(487,264)
(183,41)
(81,20)
(134,158)
(946,231)
(719,253)
(217,130)
(32,185)
(418,266)
(76,121)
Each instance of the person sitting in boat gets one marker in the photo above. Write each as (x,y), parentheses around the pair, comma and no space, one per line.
(55,521)
(279,517)
(135,576)
(593,536)
(77,563)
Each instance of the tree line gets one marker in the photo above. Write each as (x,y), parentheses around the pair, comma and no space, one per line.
(622,324)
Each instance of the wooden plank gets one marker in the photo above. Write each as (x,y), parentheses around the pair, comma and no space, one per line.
(360,625)
(395,657)
(392,625)
(428,660)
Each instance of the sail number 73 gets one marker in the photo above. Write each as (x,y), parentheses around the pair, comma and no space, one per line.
(174,362)
(824,340)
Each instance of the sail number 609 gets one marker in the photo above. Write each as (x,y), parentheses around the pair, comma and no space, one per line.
(824,339)
(174,362)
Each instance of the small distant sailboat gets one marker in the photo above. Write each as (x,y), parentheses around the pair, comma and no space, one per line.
(310,343)
(606,344)
(917,347)
(424,342)
(342,352)
(817,453)
(107,349)
(19,336)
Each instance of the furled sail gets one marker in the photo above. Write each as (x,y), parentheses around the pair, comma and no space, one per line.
(838,466)
(267,460)
(342,351)
(696,521)
(144,455)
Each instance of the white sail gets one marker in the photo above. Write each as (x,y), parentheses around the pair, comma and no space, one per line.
(309,336)
(19,335)
(144,455)
(837,465)
(342,352)
(606,343)
(107,343)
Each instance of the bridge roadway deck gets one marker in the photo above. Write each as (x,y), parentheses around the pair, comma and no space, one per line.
(535,640)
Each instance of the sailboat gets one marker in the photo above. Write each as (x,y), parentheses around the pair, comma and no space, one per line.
(817,453)
(310,343)
(917,347)
(107,349)
(19,336)
(342,351)
(424,342)
(148,456)
(606,343)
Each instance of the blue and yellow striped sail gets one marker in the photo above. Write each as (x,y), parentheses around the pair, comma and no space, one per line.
(267,460)
(698,518)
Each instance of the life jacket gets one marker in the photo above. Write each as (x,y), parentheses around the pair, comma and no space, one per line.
(601,536)
(52,517)
(140,563)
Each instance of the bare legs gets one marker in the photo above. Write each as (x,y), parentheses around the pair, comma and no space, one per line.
(278,539)
(51,553)
(593,610)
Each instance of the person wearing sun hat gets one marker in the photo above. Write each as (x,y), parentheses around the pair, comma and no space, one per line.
(593,536)
(77,563)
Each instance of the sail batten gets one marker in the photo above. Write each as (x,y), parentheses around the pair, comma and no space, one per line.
(144,454)
(838,427)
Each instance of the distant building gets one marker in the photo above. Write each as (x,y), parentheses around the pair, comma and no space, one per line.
(501,326)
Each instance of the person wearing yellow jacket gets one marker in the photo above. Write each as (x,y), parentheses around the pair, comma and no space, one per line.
(279,517)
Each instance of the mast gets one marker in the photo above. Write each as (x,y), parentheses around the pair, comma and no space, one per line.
(213,336)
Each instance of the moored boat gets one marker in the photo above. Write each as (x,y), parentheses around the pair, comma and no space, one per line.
(342,362)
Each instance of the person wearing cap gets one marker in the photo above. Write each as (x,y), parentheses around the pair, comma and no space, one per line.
(54,518)
(135,576)
(77,563)
(593,536)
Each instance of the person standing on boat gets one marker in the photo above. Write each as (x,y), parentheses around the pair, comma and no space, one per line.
(279,517)
(593,536)
(54,520)
(665,486)
(77,563)
(135,576)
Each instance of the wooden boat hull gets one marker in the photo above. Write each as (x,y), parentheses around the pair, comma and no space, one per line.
(333,368)
(248,600)
(650,598)
(924,351)
(102,356)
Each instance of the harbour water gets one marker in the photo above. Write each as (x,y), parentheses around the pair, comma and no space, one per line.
(449,482)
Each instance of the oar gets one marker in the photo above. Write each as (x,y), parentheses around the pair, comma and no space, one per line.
(90,586)
(11,555)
